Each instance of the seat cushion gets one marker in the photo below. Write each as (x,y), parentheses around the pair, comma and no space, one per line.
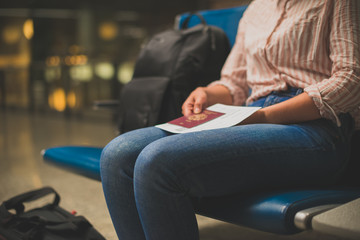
(271,211)
(266,211)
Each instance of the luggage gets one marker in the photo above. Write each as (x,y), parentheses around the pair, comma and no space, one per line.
(50,222)
(169,67)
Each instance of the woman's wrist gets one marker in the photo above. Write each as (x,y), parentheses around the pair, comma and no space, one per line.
(218,94)
(257,117)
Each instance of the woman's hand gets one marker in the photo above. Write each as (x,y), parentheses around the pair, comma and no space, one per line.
(203,97)
(196,102)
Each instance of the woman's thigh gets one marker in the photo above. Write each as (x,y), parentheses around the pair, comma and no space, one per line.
(229,160)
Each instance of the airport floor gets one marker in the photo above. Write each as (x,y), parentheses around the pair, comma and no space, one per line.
(24,135)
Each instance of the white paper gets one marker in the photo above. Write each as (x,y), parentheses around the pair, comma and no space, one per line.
(232,116)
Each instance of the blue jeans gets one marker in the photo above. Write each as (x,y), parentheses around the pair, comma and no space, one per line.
(150,177)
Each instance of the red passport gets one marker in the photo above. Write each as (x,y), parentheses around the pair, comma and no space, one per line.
(196,119)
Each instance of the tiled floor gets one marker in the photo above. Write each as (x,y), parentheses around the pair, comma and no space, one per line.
(23,136)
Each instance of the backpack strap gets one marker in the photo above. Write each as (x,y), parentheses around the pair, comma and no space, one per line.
(186,21)
(17,202)
(36,226)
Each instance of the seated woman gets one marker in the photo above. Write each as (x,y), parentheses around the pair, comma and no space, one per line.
(301,60)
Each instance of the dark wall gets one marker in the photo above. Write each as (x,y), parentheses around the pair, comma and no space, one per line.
(216,4)
(138,5)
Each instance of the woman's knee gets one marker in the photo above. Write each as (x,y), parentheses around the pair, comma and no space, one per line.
(156,167)
(121,153)
(115,156)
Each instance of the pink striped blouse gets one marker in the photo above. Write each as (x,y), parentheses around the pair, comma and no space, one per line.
(306,44)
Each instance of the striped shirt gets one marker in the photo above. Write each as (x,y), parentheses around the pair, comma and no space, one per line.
(313,45)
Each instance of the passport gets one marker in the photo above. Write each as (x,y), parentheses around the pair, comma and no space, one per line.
(196,119)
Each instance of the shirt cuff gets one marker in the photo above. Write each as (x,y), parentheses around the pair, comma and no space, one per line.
(326,111)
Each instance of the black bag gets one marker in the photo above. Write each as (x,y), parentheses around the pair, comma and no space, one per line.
(49,222)
(169,67)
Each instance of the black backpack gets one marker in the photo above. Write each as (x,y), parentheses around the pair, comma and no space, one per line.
(49,222)
(169,67)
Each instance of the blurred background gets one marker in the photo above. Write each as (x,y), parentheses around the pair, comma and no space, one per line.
(58,57)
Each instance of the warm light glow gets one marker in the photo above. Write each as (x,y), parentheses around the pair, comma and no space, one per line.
(28,29)
(76,60)
(11,34)
(125,72)
(57,100)
(70,60)
(53,61)
(52,73)
(71,99)
(108,30)
(81,59)
(82,73)
(105,70)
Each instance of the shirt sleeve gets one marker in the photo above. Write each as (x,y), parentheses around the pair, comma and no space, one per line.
(340,93)
(233,74)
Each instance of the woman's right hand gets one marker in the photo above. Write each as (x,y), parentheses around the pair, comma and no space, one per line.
(203,97)
(196,102)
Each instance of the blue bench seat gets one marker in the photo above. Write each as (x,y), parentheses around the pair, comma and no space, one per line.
(272,211)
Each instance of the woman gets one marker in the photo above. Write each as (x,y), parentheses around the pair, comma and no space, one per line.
(301,61)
